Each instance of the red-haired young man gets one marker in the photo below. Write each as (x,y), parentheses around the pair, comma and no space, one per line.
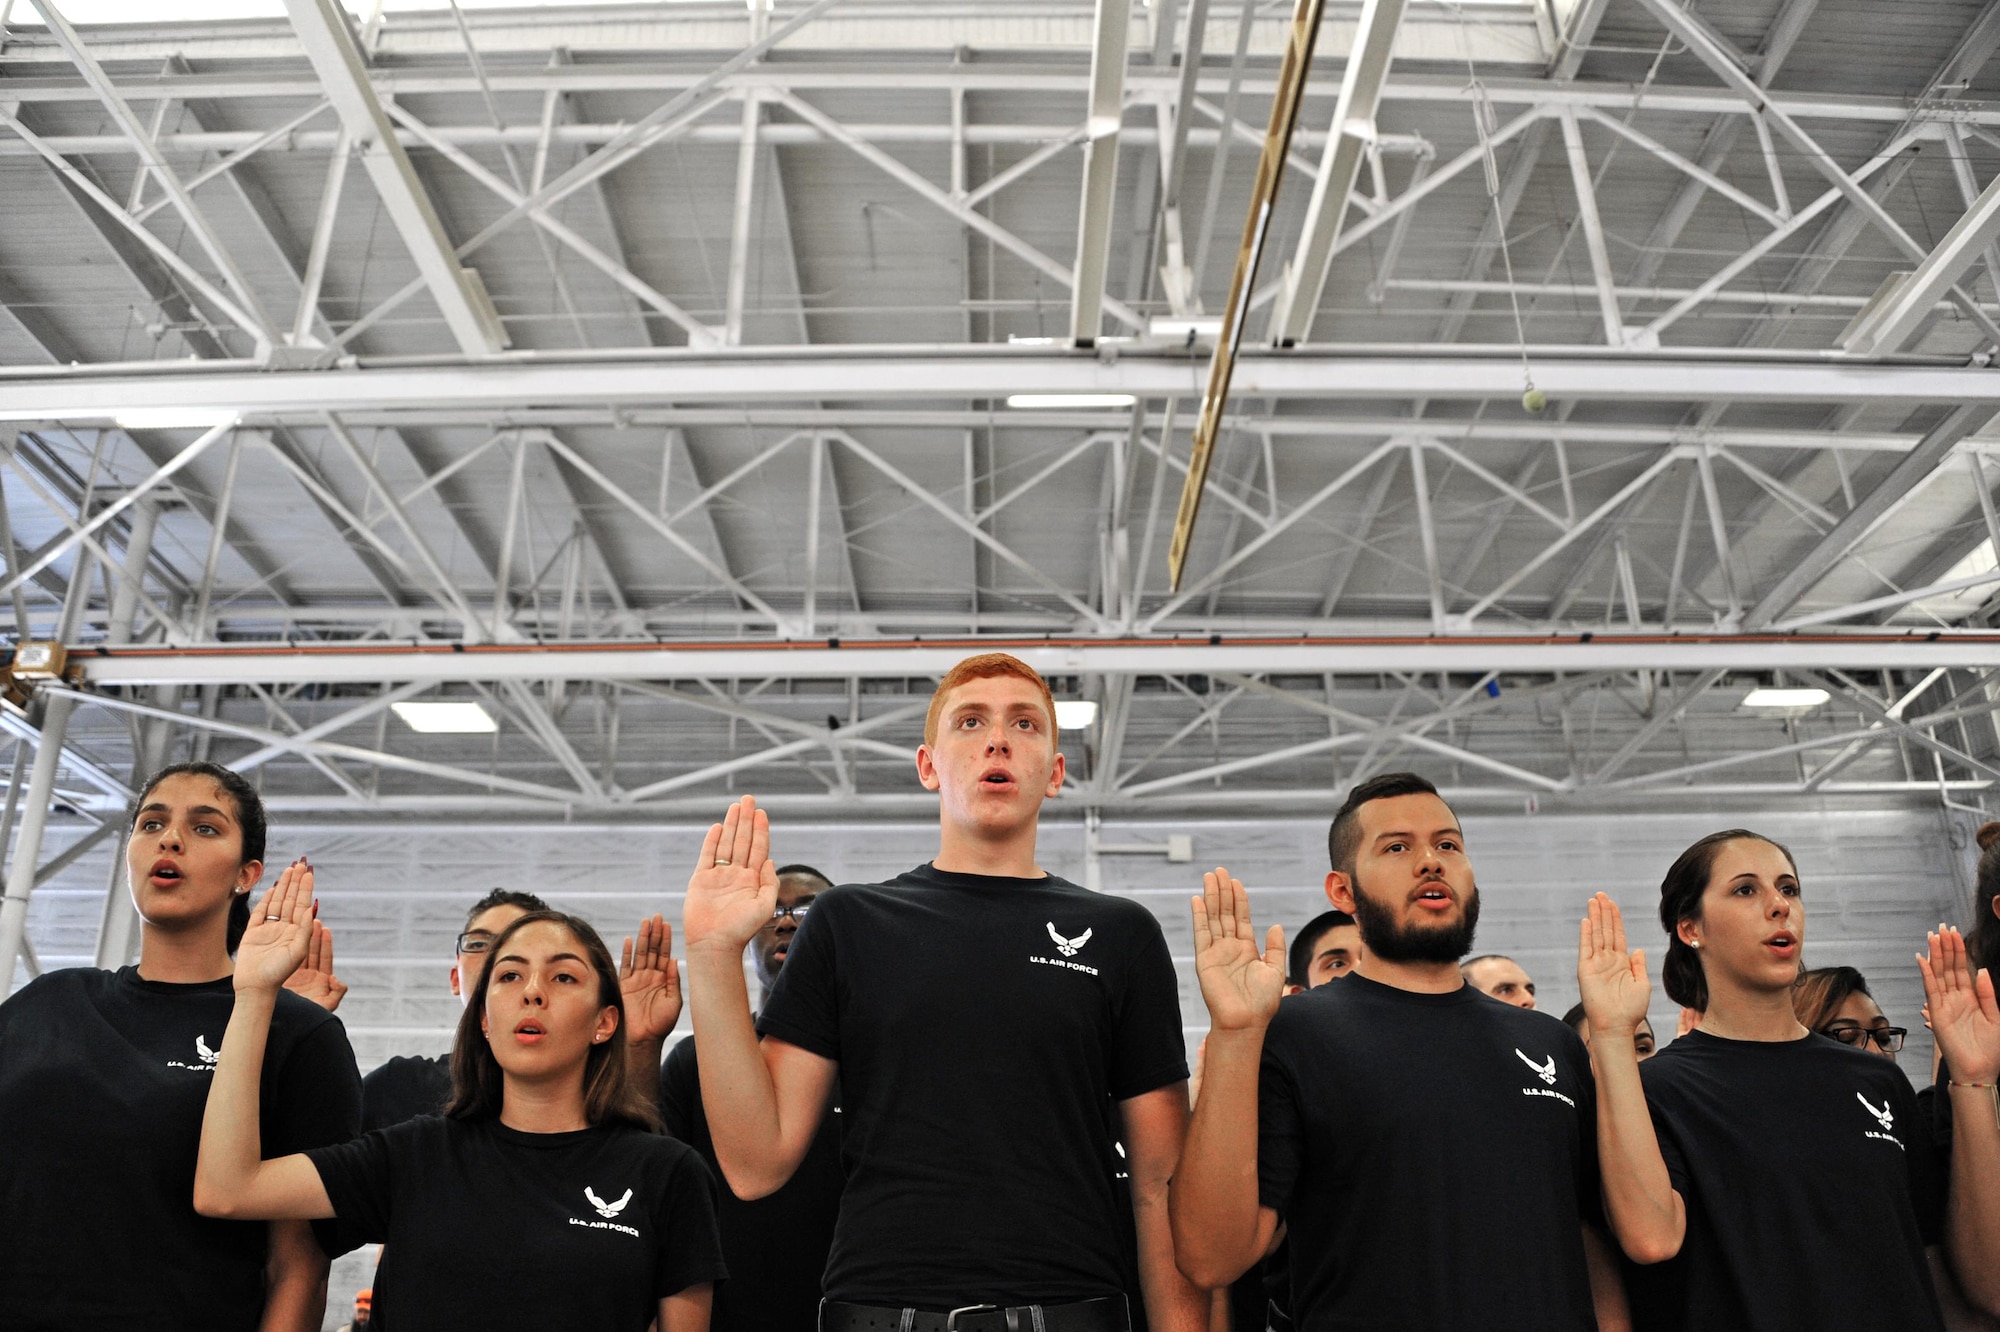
(983,1019)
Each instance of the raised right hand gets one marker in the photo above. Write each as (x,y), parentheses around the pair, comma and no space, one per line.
(280,931)
(1615,989)
(1240,986)
(734,887)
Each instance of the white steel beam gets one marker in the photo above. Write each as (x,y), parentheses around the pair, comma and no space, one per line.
(734,659)
(1100,169)
(337,59)
(1892,325)
(1352,130)
(486,389)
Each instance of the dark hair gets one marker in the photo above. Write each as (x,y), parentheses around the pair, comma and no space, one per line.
(609,1094)
(1465,967)
(1982,942)
(803,871)
(1818,994)
(249,822)
(1680,899)
(504,897)
(1343,838)
(1574,1019)
(1299,961)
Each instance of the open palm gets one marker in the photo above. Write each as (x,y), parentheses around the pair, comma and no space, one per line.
(1240,983)
(314,980)
(650,982)
(1964,1016)
(280,932)
(734,887)
(1615,989)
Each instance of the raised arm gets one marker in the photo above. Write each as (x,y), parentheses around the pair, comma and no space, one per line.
(231,1177)
(650,982)
(763,1100)
(1966,1021)
(1647,1215)
(1219,1228)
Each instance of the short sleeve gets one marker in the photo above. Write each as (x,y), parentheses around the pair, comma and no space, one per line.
(315,1098)
(803,1007)
(1589,1179)
(357,1178)
(680,1090)
(1670,1149)
(690,1238)
(1150,1050)
(1281,1131)
(1925,1164)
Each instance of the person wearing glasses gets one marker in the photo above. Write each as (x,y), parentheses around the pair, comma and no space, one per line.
(775,1247)
(1790,1181)
(1834,1001)
(412,1085)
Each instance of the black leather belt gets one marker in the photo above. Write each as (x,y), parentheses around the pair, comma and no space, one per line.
(1105,1315)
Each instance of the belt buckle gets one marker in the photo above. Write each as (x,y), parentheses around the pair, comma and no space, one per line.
(951,1319)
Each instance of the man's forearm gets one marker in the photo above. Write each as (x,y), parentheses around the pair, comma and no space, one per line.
(737,1092)
(1213,1201)
(295,1276)
(642,1061)
(1173,1303)
(1972,1237)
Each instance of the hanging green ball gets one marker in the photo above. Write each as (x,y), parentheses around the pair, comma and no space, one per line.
(1534,400)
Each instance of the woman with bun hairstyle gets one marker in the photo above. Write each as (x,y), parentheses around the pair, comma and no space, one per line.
(1789,1177)
(543,1197)
(103,1076)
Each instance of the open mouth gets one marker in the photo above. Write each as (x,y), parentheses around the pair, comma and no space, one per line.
(530,1032)
(164,872)
(997,778)
(1435,897)
(1784,944)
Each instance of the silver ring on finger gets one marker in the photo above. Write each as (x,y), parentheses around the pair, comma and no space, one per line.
(720,861)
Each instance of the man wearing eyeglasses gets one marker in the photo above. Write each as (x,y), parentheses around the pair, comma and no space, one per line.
(776,1247)
(412,1085)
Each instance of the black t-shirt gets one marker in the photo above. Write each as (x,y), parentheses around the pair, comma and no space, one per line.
(1434,1158)
(1810,1181)
(103,1082)
(775,1247)
(486,1228)
(403,1088)
(982,1025)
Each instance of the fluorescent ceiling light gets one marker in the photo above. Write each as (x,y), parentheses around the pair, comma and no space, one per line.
(1032,401)
(1023,340)
(1074,714)
(1785,698)
(174,418)
(446,718)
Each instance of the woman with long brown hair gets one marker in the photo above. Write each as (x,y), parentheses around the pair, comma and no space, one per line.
(1790,1178)
(543,1197)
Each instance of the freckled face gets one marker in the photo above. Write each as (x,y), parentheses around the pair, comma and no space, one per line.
(995,759)
(184,861)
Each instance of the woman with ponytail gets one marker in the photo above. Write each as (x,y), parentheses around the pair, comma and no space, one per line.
(103,1077)
(1789,1178)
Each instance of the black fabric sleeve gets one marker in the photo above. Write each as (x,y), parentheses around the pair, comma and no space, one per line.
(680,1090)
(1670,1149)
(315,1099)
(684,1216)
(1589,1174)
(1151,1050)
(1940,1107)
(803,1007)
(1281,1135)
(1928,1168)
(357,1177)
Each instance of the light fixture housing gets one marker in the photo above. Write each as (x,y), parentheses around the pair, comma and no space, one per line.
(1075,714)
(446,717)
(1771,697)
(1071,401)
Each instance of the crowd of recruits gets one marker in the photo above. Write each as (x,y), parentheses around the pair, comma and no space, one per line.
(1003,1051)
